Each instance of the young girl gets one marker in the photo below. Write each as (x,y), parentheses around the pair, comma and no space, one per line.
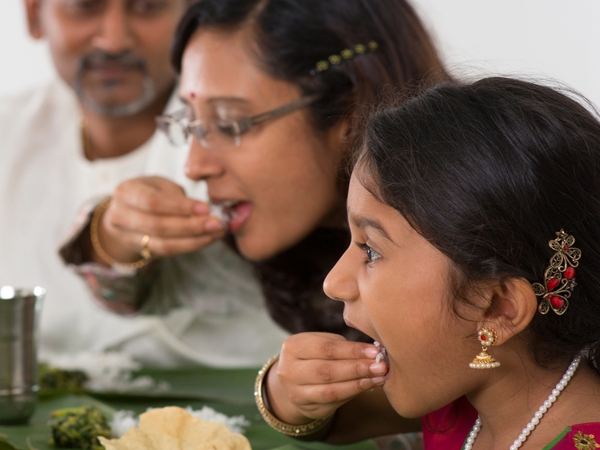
(475,265)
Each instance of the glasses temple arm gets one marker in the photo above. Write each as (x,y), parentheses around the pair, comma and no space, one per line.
(248,123)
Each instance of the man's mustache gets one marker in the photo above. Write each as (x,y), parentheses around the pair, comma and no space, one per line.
(99,58)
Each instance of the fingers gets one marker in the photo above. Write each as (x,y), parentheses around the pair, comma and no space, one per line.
(327,346)
(156,195)
(166,247)
(312,362)
(318,372)
(324,372)
(158,208)
(163,226)
(313,397)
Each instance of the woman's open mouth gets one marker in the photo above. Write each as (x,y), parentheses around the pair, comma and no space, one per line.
(232,213)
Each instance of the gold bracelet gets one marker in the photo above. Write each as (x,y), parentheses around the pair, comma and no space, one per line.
(274,422)
(146,256)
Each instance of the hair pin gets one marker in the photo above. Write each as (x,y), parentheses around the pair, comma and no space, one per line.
(559,277)
(346,54)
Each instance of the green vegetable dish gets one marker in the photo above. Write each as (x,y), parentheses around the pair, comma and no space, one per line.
(79,428)
(54,380)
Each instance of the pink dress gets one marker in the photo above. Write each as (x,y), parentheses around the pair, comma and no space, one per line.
(448,428)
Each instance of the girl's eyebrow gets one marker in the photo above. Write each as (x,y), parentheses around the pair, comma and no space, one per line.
(364,222)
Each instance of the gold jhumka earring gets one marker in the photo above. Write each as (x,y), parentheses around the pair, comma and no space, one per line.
(487,337)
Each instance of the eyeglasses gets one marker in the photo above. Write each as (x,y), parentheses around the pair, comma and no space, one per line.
(221,134)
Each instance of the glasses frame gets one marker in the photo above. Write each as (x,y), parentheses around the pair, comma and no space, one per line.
(240,127)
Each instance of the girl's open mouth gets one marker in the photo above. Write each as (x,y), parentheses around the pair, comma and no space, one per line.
(382,355)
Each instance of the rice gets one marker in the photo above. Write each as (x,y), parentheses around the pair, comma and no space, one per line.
(123,421)
(107,371)
(382,351)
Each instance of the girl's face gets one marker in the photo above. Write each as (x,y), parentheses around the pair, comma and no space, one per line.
(395,286)
(282,179)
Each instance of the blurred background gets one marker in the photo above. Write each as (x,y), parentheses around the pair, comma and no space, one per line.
(539,39)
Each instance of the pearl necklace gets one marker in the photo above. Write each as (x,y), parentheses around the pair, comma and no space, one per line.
(538,415)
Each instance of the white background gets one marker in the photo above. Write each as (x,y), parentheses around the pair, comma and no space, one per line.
(543,39)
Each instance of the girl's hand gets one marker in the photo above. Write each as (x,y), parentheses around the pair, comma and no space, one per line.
(159,208)
(319,372)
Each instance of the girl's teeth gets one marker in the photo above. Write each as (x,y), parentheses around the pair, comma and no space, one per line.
(380,356)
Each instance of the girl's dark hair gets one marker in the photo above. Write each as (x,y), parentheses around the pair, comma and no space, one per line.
(488,173)
(289,37)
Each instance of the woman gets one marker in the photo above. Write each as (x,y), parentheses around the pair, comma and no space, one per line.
(302,71)
(474,262)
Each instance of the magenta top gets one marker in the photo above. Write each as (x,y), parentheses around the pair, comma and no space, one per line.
(449,427)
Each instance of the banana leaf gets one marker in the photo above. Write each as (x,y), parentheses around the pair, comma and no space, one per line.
(227,391)
(234,386)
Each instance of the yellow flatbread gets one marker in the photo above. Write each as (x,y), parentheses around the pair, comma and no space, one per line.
(173,428)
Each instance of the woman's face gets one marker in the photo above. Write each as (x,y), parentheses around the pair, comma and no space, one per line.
(282,179)
(395,286)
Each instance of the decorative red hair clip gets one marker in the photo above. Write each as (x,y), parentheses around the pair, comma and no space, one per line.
(559,278)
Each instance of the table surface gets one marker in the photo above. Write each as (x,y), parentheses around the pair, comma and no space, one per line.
(227,391)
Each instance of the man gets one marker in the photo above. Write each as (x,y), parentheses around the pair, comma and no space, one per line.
(76,140)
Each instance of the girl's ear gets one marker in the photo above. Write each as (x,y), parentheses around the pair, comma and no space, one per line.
(32,8)
(513,306)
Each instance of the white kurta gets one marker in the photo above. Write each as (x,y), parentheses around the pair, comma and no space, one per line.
(216,311)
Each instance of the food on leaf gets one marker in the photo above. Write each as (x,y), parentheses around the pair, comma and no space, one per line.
(78,428)
(175,428)
(53,379)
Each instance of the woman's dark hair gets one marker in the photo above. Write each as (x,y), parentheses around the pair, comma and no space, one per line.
(488,173)
(289,37)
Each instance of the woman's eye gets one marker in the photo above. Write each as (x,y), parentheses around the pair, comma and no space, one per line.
(227,128)
(83,6)
(148,6)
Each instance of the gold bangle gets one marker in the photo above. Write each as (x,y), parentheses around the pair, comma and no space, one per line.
(146,257)
(274,422)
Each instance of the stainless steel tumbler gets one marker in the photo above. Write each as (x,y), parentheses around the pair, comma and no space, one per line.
(19,317)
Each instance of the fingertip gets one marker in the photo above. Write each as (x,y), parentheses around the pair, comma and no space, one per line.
(378,381)
(213,224)
(200,208)
(378,368)
(371,352)
(366,384)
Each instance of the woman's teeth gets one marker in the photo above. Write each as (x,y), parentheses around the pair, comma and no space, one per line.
(224,211)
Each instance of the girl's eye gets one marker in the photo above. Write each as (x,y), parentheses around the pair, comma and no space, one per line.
(372,255)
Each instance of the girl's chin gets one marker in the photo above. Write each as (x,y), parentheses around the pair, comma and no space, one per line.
(403,405)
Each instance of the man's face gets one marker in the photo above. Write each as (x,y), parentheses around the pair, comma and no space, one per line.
(113,53)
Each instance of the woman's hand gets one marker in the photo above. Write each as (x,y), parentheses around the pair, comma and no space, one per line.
(159,208)
(319,372)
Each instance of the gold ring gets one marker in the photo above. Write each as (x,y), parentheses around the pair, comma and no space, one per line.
(145,251)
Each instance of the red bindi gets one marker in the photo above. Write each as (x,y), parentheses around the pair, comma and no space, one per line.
(192,95)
